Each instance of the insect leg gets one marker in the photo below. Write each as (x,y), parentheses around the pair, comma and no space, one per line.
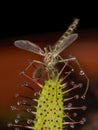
(62,69)
(81,71)
(65,60)
(30,78)
(31,63)
(27,76)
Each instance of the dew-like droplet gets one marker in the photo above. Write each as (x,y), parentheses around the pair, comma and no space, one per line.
(9,124)
(84,108)
(29,121)
(76,96)
(81,72)
(75,114)
(83,97)
(69,104)
(25,84)
(13,108)
(81,122)
(72,126)
(16,121)
(72,83)
(80,85)
(72,70)
(18,103)
(84,119)
(29,110)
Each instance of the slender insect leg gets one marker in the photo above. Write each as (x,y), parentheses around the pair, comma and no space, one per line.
(27,76)
(65,60)
(31,63)
(81,71)
(67,74)
(41,63)
(33,80)
(65,64)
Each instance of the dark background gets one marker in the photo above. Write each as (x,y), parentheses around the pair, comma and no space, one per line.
(18,18)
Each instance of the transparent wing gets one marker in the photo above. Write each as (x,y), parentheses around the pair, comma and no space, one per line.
(60,46)
(29,46)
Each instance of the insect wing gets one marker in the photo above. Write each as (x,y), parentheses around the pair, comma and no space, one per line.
(29,46)
(60,46)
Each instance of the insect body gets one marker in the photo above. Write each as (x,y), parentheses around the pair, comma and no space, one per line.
(51,54)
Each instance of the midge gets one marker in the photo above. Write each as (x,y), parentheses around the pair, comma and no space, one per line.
(51,54)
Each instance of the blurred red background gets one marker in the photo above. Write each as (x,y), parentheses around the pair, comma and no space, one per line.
(13,60)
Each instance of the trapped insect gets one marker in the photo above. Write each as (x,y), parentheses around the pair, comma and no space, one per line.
(51,54)
(52,108)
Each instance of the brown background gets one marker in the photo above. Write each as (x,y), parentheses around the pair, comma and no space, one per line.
(13,60)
